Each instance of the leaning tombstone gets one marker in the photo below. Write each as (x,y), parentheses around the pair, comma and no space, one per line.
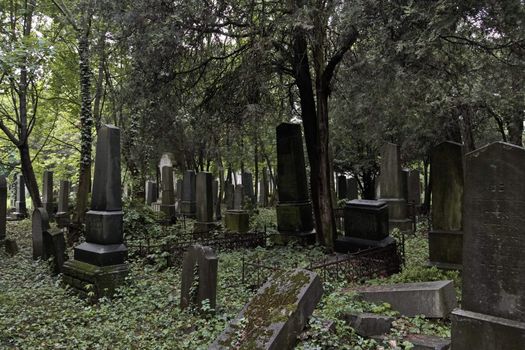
(391,188)
(206,262)
(39,225)
(294,209)
(204,199)
(47,194)
(3,207)
(20,203)
(445,239)
(276,315)
(62,215)
(100,261)
(188,203)
(492,314)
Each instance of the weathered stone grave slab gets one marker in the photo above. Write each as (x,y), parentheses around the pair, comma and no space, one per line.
(206,261)
(368,324)
(47,193)
(276,315)
(55,246)
(237,221)
(188,202)
(39,224)
(493,299)
(432,299)
(428,342)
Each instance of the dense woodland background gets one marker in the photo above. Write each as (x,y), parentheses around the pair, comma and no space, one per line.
(210,80)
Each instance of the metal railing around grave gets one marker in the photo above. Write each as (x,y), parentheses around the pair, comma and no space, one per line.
(172,246)
(355,267)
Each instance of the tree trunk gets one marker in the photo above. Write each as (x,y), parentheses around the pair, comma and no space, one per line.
(29,175)
(466,128)
(515,128)
(86,125)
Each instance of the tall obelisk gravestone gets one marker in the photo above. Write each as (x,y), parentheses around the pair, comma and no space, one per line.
(47,194)
(493,303)
(167,205)
(445,239)
(294,209)
(188,203)
(391,188)
(62,216)
(204,199)
(100,261)
(20,204)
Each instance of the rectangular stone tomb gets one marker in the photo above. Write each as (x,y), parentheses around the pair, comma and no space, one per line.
(276,315)
(237,221)
(432,299)
(366,219)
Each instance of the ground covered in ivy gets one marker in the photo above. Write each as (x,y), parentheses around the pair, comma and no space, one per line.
(36,312)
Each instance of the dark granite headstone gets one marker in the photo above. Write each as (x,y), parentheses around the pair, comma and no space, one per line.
(20,203)
(55,246)
(62,215)
(414,187)
(247,185)
(493,300)
(167,205)
(294,209)
(342,192)
(216,201)
(3,206)
(204,201)
(264,189)
(391,188)
(229,195)
(238,197)
(276,315)
(188,203)
(40,224)
(206,262)
(100,261)
(445,239)
(151,192)
(178,192)
(47,194)
(351,188)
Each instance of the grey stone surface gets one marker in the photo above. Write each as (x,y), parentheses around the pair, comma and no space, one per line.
(207,262)
(366,219)
(432,299)
(188,203)
(247,185)
(229,195)
(274,317)
(55,245)
(414,187)
(40,224)
(428,342)
(20,203)
(391,186)
(101,254)
(264,187)
(237,221)
(368,324)
(352,188)
(446,236)
(238,197)
(151,192)
(106,193)
(104,227)
(3,206)
(342,192)
(167,205)
(493,302)
(216,200)
(204,202)
(62,215)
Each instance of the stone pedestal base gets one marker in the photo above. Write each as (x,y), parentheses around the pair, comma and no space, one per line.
(402,225)
(170,211)
(104,227)
(445,249)
(104,279)
(294,218)
(346,245)
(398,215)
(101,254)
(188,209)
(237,221)
(472,330)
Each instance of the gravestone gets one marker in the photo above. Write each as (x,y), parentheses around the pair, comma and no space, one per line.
(237,221)
(366,226)
(3,207)
(432,299)
(100,261)
(166,159)
(276,315)
(391,188)
(247,185)
(368,324)
(20,204)
(351,188)
(55,246)
(47,194)
(204,199)
(238,197)
(178,192)
(188,203)
(341,187)
(11,248)
(229,195)
(39,225)
(167,205)
(294,209)
(206,262)
(216,201)
(445,239)
(414,187)
(493,302)
(62,215)
(151,192)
